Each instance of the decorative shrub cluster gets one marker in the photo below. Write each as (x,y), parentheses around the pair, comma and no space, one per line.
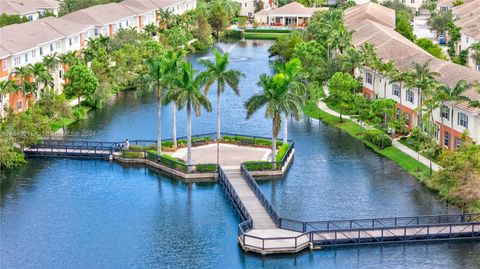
(378,138)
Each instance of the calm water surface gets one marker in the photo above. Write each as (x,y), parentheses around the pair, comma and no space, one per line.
(66,213)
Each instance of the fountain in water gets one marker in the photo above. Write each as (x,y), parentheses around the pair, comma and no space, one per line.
(226,48)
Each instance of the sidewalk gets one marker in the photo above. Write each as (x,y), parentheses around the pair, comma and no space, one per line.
(435,167)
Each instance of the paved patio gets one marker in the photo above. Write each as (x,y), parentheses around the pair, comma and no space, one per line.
(230,155)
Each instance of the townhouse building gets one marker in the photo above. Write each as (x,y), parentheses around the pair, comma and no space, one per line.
(375,26)
(29,43)
(467,17)
(31,9)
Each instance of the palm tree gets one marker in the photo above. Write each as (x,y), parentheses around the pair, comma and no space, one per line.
(278,100)
(6,87)
(291,70)
(387,69)
(154,81)
(188,94)
(51,62)
(218,71)
(453,96)
(475,50)
(424,80)
(68,59)
(22,77)
(171,66)
(166,17)
(369,58)
(40,74)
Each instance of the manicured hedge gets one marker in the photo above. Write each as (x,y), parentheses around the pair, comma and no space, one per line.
(205,168)
(262,30)
(258,165)
(378,138)
(257,141)
(133,154)
(282,151)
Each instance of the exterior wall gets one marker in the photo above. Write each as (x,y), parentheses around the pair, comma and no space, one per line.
(4,67)
(414,4)
(18,102)
(247,7)
(182,7)
(472,129)
(465,43)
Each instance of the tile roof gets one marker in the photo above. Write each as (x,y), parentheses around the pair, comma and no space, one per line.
(100,14)
(140,6)
(22,7)
(468,18)
(293,9)
(390,45)
(65,27)
(370,11)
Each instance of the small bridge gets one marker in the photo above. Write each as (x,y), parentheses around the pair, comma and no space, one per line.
(264,231)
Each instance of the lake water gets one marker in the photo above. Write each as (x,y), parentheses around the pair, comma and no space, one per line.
(68,213)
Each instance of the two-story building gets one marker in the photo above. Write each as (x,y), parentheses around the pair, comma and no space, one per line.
(31,9)
(467,17)
(375,27)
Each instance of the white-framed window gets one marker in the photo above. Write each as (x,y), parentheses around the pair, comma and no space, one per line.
(127,23)
(444,112)
(466,39)
(462,119)
(4,65)
(369,78)
(398,113)
(26,57)
(478,67)
(410,96)
(245,4)
(96,32)
(19,105)
(458,142)
(34,54)
(16,61)
(446,139)
(30,17)
(51,47)
(407,119)
(70,42)
(60,73)
(41,51)
(412,1)
(396,89)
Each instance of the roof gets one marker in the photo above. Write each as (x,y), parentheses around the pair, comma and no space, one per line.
(100,14)
(390,45)
(63,26)
(166,3)
(370,11)
(468,18)
(449,3)
(140,6)
(21,37)
(23,7)
(293,8)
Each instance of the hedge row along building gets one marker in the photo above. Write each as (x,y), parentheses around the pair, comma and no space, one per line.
(373,23)
(29,43)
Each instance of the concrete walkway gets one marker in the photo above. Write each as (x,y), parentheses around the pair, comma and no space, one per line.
(435,167)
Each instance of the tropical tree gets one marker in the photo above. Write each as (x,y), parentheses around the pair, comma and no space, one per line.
(166,18)
(6,87)
(368,56)
(475,53)
(342,88)
(218,71)
(188,94)
(40,75)
(154,81)
(453,96)
(292,72)
(387,69)
(278,101)
(22,77)
(81,82)
(51,62)
(69,59)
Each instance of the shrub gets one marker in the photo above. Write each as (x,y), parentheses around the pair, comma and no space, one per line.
(282,151)
(205,168)
(132,154)
(258,165)
(135,147)
(378,138)
(173,163)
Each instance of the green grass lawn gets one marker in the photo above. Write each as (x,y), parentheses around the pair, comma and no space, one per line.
(405,161)
(253,35)
(58,124)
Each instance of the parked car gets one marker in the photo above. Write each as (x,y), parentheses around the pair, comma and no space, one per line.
(442,40)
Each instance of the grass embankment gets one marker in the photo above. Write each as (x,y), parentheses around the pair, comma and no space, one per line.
(263,35)
(78,113)
(405,161)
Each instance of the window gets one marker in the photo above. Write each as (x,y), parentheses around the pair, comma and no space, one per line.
(70,42)
(396,90)
(437,131)
(16,61)
(369,78)
(245,4)
(96,32)
(446,139)
(444,112)
(478,66)
(57,45)
(19,105)
(407,119)
(127,23)
(462,119)
(41,51)
(34,54)
(412,1)
(410,96)
(466,39)
(26,57)
(30,18)
(398,113)
(51,47)
(458,142)
(60,74)
(4,65)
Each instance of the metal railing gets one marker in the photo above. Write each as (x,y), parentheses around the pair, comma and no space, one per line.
(302,226)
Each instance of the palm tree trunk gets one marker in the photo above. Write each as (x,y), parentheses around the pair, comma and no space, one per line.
(452,135)
(189,133)
(274,145)
(285,130)
(174,123)
(218,113)
(159,122)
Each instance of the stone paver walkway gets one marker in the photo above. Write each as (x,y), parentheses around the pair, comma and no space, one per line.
(435,167)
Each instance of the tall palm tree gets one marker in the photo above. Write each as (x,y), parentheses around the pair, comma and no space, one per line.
(424,80)
(291,71)
(51,62)
(188,94)
(6,87)
(172,61)
(475,53)
(22,77)
(69,59)
(218,71)
(278,100)
(40,75)
(369,58)
(453,96)
(154,81)
(166,17)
